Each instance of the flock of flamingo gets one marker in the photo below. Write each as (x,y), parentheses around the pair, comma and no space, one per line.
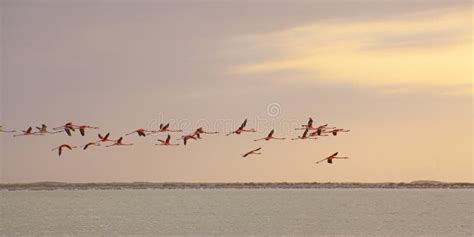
(310,132)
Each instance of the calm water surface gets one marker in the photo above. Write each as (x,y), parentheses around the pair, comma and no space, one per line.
(230,212)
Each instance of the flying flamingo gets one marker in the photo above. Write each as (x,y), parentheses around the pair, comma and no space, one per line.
(166,142)
(165,128)
(105,138)
(335,131)
(60,148)
(242,129)
(68,124)
(187,137)
(319,131)
(90,144)
(252,152)
(330,158)
(200,131)
(119,143)
(270,136)
(28,132)
(141,132)
(68,127)
(308,125)
(5,131)
(304,136)
(83,128)
(44,130)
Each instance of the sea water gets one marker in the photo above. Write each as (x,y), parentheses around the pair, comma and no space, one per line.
(238,212)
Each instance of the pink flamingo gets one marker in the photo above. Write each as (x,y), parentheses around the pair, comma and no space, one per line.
(28,132)
(44,130)
(141,132)
(319,131)
(270,136)
(242,129)
(165,128)
(252,152)
(330,158)
(200,131)
(167,142)
(308,125)
(187,137)
(119,143)
(68,127)
(60,148)
(83,128)
(105,138)
(90,144)
(304,136)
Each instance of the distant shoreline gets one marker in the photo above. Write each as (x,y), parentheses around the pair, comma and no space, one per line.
(280,185)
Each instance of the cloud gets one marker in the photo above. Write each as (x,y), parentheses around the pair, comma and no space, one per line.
(427,49)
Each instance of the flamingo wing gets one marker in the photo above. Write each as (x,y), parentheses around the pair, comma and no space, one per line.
(246,154)
(83,132)
(251,152)
(258,149)
(305,132)
(168,138)
(68,131)
(243,125)
(317,162)
(271,133)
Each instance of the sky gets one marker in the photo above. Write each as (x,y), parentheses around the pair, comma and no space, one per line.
(398,74)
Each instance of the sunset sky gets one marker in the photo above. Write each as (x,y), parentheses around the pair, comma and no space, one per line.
(397,73)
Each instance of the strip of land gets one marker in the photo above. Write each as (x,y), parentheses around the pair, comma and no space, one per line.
(177,185)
